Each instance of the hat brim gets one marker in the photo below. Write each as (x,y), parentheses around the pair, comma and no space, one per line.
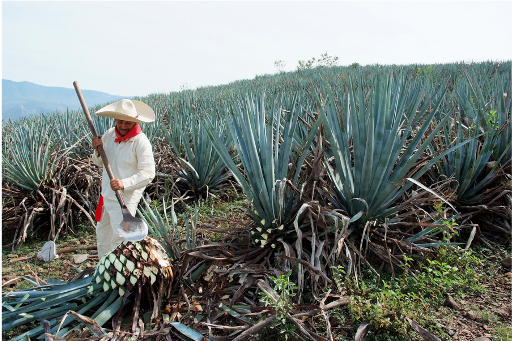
(144,112)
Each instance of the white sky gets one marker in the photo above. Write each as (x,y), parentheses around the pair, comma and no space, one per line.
(138,48)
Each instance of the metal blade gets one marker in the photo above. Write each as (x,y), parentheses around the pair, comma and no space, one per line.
(132,229)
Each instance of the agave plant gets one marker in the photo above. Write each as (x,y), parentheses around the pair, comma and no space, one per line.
(29,156)
(478,123)
(165,232)
(503,120)
(387,137)
(45,174)
(131,267)
(202,168)
(466,165)
(264,145)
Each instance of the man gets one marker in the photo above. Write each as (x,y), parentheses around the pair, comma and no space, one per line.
(130,156)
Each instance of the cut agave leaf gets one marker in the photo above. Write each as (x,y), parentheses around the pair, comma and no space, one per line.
(130,265)
(101,268)
(120,279)
(147,271)
(109,312)
(118,265)
(187,332)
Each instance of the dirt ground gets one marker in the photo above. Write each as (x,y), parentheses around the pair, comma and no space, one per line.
(481,315)
(476,316)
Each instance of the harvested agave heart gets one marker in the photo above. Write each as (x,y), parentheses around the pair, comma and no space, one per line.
(132,263)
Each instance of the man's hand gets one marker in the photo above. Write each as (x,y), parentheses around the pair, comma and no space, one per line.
(116,184)
(96,141)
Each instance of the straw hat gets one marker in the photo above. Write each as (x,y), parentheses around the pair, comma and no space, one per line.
(128,110)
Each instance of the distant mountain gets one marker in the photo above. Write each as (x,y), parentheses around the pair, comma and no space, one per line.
(25,98)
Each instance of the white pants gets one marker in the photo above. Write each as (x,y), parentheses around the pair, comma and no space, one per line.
(107,229)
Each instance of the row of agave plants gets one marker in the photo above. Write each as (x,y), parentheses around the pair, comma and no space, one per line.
(375,127)
(330,160)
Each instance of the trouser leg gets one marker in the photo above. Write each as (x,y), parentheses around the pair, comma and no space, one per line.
(116,217)
(103,233)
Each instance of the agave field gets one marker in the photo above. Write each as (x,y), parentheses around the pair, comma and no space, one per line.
(346,173)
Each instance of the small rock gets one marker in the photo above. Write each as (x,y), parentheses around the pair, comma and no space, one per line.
(506,263)
(501,312)
(80,258)
(451,332)
(472,315)
(48,253)
(482,338)
(450,303)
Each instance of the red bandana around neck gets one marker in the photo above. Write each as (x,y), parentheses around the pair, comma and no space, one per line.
(134,132)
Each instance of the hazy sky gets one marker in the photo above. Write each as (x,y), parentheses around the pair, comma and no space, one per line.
(138,48)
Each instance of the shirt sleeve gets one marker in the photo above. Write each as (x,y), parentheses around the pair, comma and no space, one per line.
(145,166)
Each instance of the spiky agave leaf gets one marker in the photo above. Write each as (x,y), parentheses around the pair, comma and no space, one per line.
(159,226)
(504,122)
(481,129)
(27,155)
(387,131)
(201,167)
(265,147)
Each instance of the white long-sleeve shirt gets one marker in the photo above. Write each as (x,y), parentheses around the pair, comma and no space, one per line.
(131,161)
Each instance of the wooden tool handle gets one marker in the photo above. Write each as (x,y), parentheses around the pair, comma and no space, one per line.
(100,148)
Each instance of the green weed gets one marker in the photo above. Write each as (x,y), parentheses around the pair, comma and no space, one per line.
(503,333)
(387,303)
(284,289)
